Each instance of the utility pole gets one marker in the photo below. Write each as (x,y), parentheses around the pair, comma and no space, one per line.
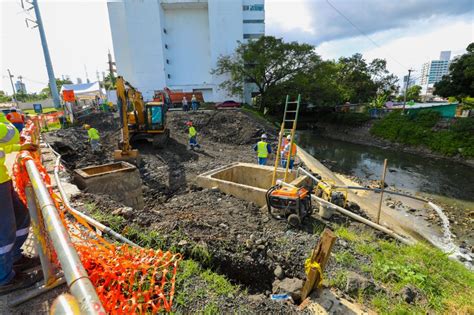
(47,58)
(10,76)
(406,89)
(111,68)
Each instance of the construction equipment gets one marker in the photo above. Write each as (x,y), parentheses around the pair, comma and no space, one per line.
(291,203)
(175,98)
(140,120)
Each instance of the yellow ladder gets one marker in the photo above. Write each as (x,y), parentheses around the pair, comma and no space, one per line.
(288,126)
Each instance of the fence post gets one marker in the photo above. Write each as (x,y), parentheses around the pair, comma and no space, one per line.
(382,189)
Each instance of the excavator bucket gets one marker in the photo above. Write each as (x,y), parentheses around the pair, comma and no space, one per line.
(130,156)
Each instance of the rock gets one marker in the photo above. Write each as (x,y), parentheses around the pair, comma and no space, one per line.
(224,226)
(356,282)
(248,244)
(278,272)
(259,241)
(215,189)
(270,253)
(409,294)
(256,298)
(291,286)
(182,243)
(261,247)
(126,212)
(412,210)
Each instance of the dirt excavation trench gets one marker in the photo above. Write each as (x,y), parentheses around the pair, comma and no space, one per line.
(229,235)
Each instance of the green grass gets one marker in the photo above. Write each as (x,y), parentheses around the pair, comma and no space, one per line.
(197,288)
(45,111)
(418,130)
(446,285)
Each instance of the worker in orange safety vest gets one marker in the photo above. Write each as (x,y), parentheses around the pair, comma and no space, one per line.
(16,119)
(288,154)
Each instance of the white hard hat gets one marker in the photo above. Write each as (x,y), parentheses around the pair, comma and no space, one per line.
(264,136)
(288,137)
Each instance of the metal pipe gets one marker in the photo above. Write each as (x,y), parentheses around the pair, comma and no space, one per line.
(30,294)
(377,190)
(76,276)
(41,248)
(103,228)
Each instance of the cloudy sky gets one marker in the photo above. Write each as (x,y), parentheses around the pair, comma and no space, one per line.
(405,32)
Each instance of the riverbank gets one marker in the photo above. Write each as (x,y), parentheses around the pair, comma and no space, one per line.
(362,135)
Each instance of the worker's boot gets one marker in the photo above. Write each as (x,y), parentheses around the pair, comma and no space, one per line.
(21,281)
(26,263)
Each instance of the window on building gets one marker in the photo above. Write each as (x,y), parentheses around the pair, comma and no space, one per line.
(167,61)
(169,76)
(252,36)
(166,46)
(253,21)
(253,7)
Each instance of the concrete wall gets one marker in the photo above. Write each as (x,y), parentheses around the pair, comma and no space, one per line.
(47,103)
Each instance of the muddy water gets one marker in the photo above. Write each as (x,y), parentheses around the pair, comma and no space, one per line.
(437,178)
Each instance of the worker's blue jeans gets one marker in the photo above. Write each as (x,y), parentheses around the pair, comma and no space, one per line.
(14,228)
(194,105)
(262,161)
(283,163)
(95,145)
(193,143)
(19,126)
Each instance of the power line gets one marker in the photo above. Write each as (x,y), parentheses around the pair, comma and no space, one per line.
(363,33)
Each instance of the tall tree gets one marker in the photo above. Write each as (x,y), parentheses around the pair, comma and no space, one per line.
(413,93)
(460,80)
(266,62)
(59,84)
(356,80)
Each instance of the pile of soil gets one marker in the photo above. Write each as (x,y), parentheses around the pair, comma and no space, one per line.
(225,126)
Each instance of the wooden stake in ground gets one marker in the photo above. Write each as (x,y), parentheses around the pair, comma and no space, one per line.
(382,189)
(318,261)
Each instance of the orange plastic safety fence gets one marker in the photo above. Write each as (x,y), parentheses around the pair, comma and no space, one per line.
(128,280)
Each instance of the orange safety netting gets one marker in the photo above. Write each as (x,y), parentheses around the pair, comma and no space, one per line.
(127,279)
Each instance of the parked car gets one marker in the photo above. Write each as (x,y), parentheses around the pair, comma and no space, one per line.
(228,104)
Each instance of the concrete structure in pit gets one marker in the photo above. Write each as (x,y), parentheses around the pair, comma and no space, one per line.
(176,43)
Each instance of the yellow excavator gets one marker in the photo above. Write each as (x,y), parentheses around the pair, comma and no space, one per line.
(139,120)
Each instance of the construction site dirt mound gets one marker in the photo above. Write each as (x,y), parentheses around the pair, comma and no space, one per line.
(224,126)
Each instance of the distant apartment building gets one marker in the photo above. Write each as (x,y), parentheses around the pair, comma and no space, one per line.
(176,43)
(20,87)
(433,71)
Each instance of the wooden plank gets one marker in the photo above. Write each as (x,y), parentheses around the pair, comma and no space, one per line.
(321,255)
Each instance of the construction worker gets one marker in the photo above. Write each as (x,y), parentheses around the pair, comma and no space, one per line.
(194,103)
(192,134)
(289,153)
(284,142)
(263,149)
(16,119)
(185,104)
(15,222)
(94,138)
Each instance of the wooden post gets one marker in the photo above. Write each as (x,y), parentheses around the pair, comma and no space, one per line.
(320,255)
(382,189)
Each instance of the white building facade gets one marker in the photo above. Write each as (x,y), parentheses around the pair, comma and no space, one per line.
(176,43)
(432,72)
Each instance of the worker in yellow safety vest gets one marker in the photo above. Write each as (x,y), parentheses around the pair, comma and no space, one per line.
(94,138)
(15,219)
(263,149)
(289,153)
(192,134)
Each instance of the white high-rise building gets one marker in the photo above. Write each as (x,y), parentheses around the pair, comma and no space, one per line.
(432,72)
(176,43)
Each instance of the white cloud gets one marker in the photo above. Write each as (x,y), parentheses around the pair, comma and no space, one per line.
(410,47)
